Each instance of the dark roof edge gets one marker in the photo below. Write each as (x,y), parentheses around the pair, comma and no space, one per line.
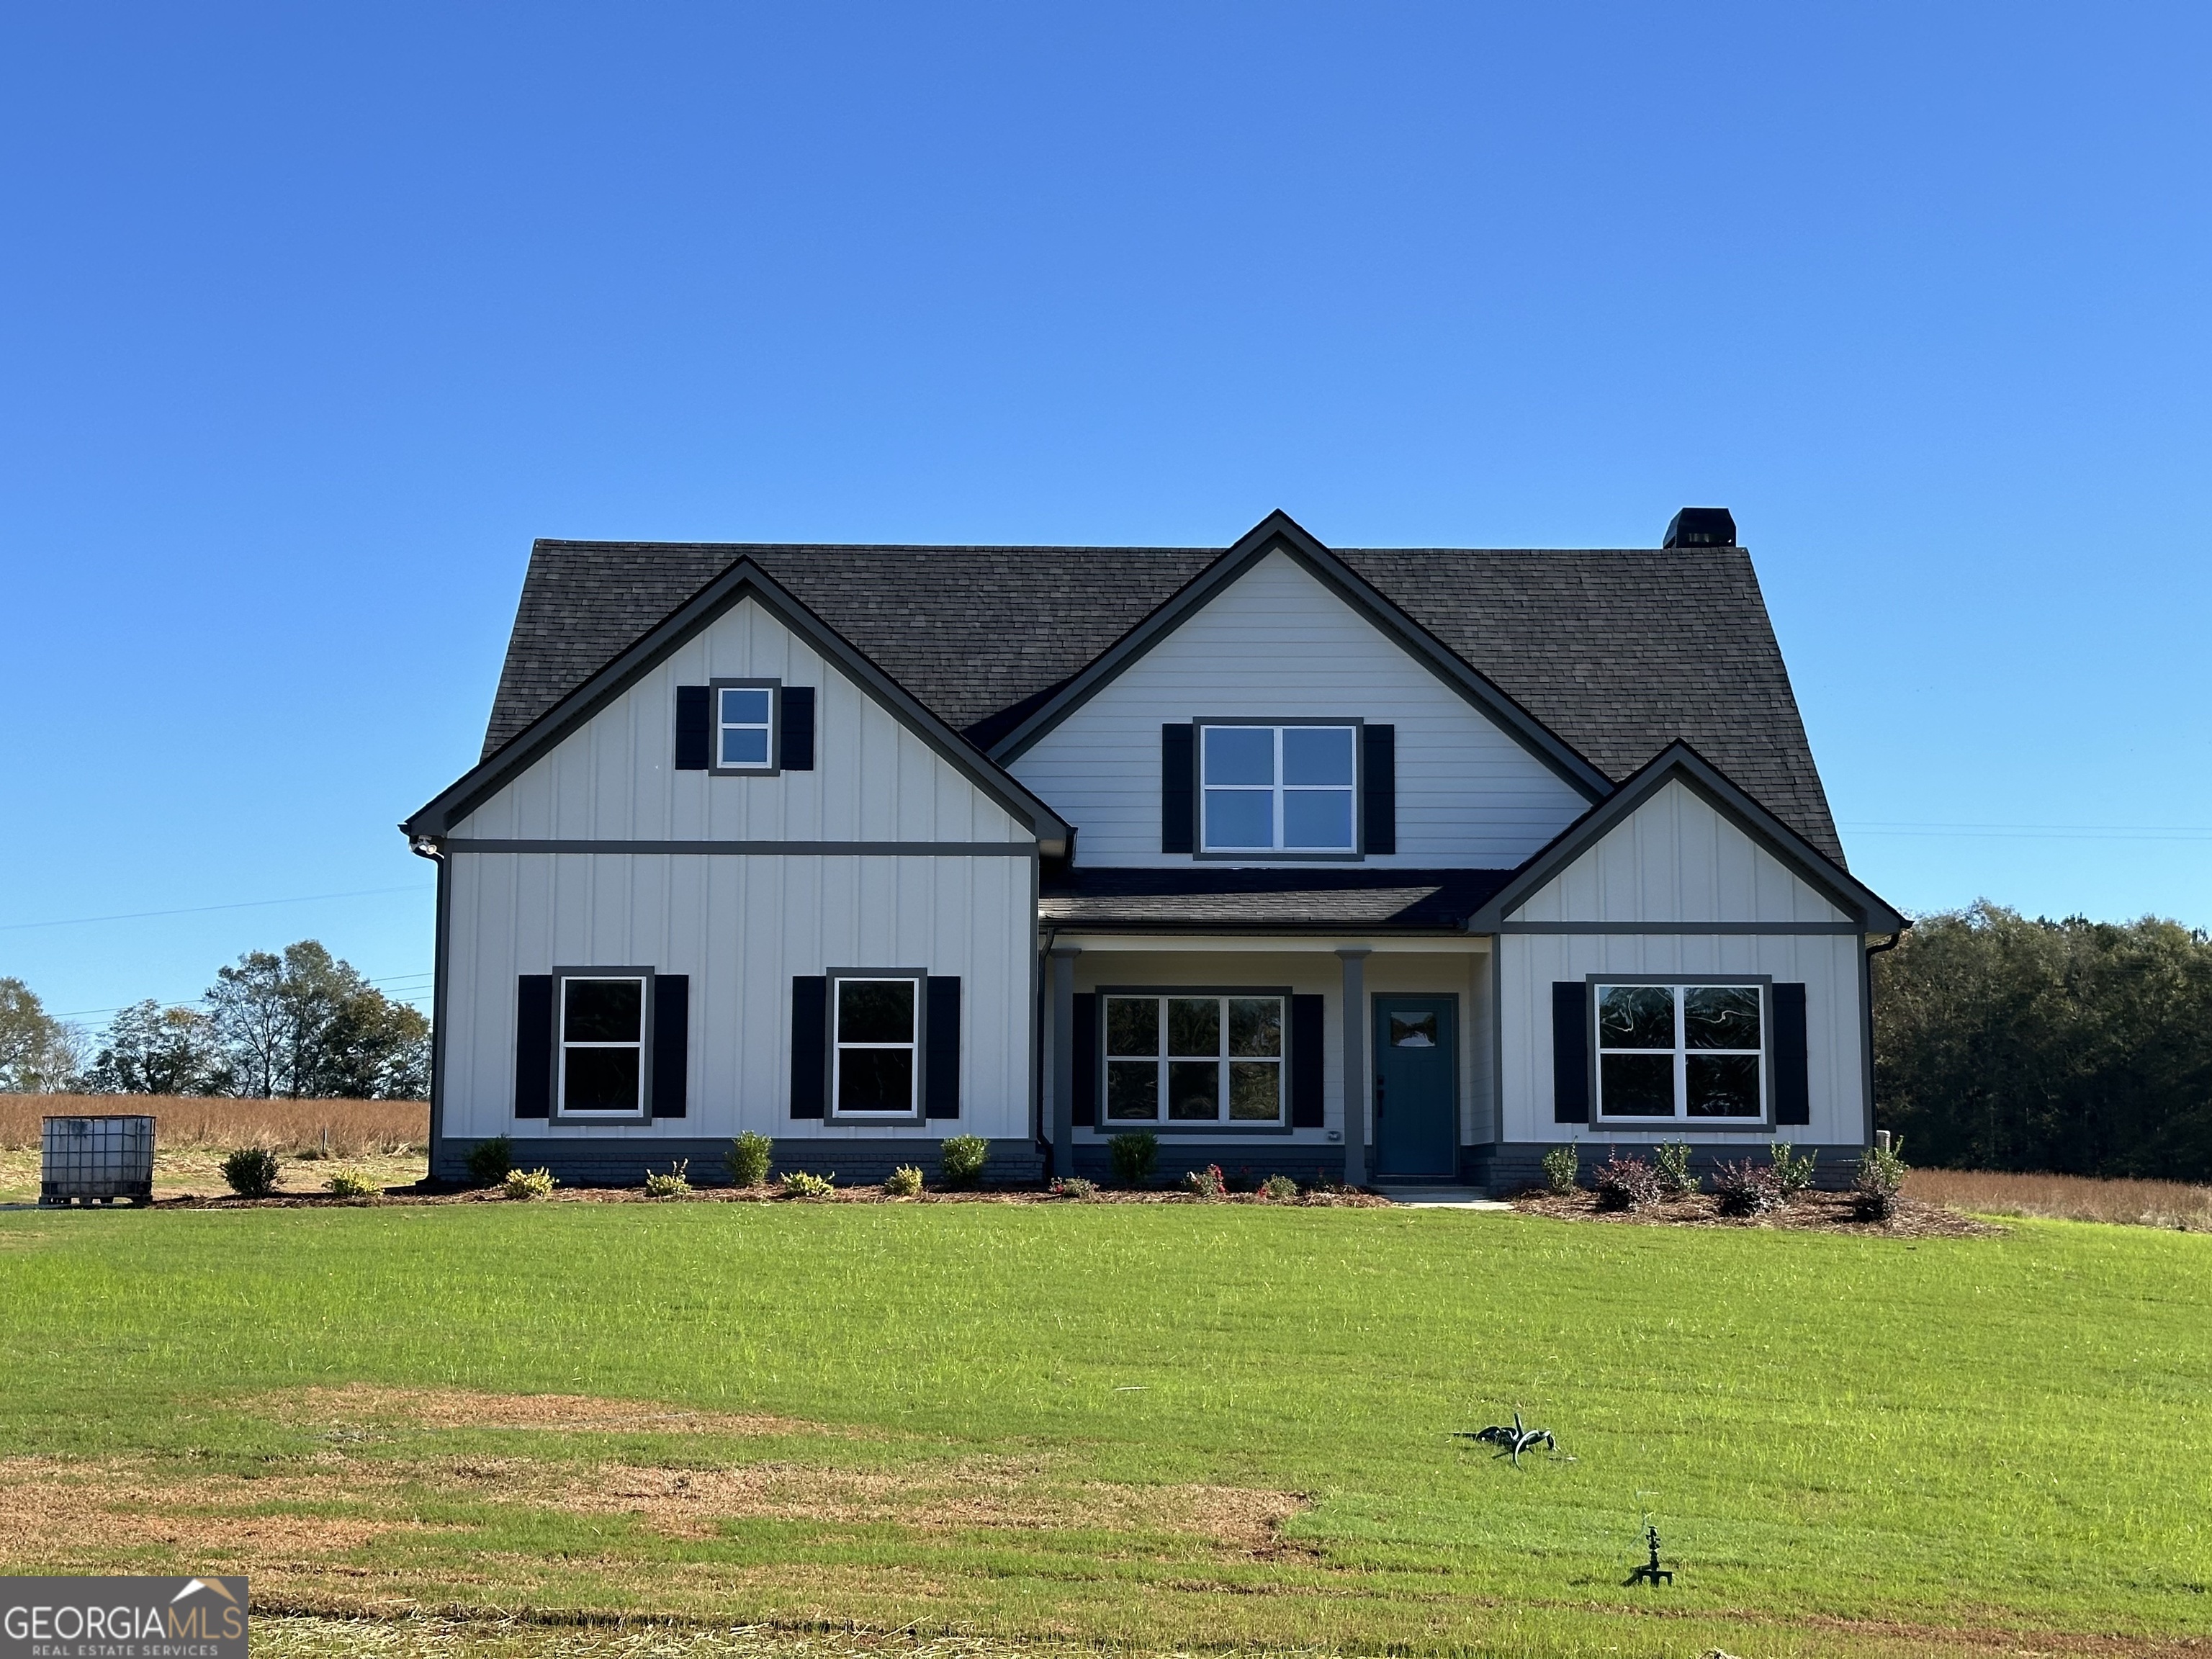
(1279,530)
(742,580)
(1679,761)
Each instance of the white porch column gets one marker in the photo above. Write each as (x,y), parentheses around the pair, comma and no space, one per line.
(1063,1058)
(1354,958)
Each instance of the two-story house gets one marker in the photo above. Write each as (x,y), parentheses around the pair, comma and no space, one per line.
(1392,864)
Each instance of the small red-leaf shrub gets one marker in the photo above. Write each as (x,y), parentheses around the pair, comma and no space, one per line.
(1747,1188)
(1626,1183)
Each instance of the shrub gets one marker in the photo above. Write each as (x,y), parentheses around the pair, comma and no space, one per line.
(529,1183)
(1675,1180)
(1135,1155)
(490,1161)
(1745,1188)
(346,1184)
(1626,1183)
(1206,1183)
(961,1158)
(1880,1175)
(674,1184)
(1793,1175)
(1563,1167)
(905,1182)
(251,1171)
(1280,1188)
(797,1184)
(748,1158)
(1074,1187)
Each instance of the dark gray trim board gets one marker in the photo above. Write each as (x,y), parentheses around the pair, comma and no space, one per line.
(1679,761)
(1307,1163)
(793,850)
(742,580)
(1746,929)
(1278,531)
(579,1159)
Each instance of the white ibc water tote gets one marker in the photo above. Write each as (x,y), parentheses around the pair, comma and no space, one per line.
(97,1160)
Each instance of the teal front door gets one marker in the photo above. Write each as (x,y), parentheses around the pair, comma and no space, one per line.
(1416,1086)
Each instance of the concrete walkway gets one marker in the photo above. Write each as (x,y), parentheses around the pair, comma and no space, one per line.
(1443,1198)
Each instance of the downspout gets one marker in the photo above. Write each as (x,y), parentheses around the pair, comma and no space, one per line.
(428,846)
(1866,988)
(1039,1124)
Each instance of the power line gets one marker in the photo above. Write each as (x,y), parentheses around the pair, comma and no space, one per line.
(410,997)
(202,909)
(2041,831)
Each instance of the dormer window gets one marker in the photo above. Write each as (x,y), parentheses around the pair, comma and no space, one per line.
(745,726)
(1286,788)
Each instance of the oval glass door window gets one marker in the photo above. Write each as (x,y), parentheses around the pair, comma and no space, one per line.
(1413,1030)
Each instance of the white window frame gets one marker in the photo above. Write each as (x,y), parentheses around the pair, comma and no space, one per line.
(838,977)
(1160,1059)
(1680,1053)
(716,726)
(564,977)
(1276,790)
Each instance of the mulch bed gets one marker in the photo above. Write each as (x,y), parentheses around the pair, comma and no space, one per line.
(1814,1212)
(1332,1200)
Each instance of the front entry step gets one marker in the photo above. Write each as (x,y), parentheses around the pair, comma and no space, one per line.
(1427,1196)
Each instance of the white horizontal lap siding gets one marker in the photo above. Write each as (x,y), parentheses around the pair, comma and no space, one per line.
(614,779)
(1279,644)
(1827,965)
(741,927)
(1677,859)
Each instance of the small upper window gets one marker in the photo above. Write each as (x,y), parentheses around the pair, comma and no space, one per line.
(1680,1051)
(876,1073)
(744,724)
(601,1047)
(1278,789)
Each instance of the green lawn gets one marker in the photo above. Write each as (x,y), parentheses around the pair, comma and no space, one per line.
(1161,1426)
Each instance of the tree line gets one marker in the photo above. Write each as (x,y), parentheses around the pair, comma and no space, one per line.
(2079,1047)
(298,1023)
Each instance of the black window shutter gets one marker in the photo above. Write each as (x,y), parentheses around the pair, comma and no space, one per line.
(1086,1059)
(533,1045)
(672,1043)
(691,723)
(1378,786)
(794,744)
(1571,1090)
(941,1083)
(1177,811)
(1306,1065)
(810,1043)
(1793,1083)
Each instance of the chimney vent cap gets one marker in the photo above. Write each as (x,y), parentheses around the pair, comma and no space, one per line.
(1701,526)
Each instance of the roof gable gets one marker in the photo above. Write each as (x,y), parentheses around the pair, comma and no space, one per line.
(741,581)
(1681,768)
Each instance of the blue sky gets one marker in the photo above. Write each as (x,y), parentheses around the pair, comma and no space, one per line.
(312,317)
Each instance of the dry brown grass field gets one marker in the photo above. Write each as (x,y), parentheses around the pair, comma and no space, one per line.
(2067,1197)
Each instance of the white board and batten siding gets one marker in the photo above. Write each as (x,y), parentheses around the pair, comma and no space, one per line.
(614,779)
(1677,859)
(741,925)
(1277,644)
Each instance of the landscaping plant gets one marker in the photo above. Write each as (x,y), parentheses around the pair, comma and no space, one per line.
(251,1171)
(1563,1168)
(1793,1175)
(962,1158)
(1074,1187)
(529,1183)
(1280,1188)
(1880,1176)
(346,1184)
(905,1182)
(488,1161)
(1672,1160)
(1625,1183)
(1135,1154)
(797,1184)
(1747,1188)
(674,1184)
(1206,1183)
(748,1158)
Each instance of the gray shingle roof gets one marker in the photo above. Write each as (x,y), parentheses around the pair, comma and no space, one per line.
(1210,895)
(1618,652)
